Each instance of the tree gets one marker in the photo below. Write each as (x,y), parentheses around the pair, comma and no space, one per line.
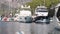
(47,3)
(3,8)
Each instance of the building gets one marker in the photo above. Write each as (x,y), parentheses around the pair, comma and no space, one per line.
(14,3)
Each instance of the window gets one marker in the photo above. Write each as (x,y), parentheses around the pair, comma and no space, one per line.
(41,11)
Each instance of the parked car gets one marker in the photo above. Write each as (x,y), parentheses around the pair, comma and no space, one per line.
(19,18)
(22,19)
(11,19)
(42,20)
(41,11)
(57,16)
(5,19)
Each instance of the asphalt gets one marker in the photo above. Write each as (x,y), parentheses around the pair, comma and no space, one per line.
(27,28)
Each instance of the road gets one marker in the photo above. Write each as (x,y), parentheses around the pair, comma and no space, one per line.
(27,28)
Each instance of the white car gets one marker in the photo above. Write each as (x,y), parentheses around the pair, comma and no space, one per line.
(57,16)
(19,18)
(41,11)
(25,13)
(25,19)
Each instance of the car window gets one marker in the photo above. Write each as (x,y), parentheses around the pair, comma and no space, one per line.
(41,11)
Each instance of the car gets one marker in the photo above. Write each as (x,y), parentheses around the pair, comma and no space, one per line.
(5,19)
(57,16)
(41,11)
(58,26)
(20,19)
(24,19)
(42,20)
(11,19)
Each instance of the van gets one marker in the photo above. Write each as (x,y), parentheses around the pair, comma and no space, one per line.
(25,13)
(41,11)
(42,15)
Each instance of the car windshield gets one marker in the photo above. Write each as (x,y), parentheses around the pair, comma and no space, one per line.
(41,11)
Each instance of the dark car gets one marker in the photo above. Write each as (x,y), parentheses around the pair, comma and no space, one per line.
(42,20)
